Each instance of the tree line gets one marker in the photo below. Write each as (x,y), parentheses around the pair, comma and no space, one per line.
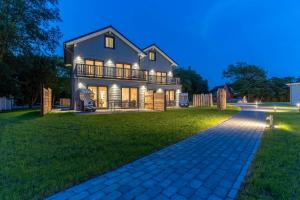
(252,81)
(29,36)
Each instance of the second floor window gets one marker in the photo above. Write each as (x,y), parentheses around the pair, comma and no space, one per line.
(152,56)
(109,42)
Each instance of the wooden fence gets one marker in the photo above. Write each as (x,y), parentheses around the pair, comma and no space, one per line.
(202,100)
(155,101)
(46,101)
(64,102)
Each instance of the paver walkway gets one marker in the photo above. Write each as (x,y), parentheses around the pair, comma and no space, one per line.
(210,165)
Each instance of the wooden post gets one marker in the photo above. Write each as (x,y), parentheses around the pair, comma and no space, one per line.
(221,99)
(46,101)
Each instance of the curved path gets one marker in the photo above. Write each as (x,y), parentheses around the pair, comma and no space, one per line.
(210,165)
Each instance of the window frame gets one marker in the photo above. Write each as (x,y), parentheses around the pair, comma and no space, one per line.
(114,42)
(154,54)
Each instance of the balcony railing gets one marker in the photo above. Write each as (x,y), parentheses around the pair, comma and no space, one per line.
(83,70)
(163,80)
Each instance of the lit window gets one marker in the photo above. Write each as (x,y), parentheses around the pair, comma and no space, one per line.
(109,42)
(152,55)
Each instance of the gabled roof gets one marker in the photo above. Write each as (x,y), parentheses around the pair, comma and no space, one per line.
(102,31)
(155,47)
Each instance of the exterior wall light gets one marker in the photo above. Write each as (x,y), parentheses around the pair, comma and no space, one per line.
(135,66)
(109,63)
(78,59)
(80,85)
(152,72)
(159,90)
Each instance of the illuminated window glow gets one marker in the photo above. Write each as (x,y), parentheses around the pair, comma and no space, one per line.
(109,42)
(152,56)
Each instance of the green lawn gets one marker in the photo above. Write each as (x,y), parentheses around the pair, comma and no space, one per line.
(275,173)
(43,155)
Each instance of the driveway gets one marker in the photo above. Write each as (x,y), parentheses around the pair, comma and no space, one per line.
(209,165)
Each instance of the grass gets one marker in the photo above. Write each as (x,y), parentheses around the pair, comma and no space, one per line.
(43,155)
(275,172)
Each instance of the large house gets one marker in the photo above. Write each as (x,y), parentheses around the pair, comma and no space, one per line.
(118,71)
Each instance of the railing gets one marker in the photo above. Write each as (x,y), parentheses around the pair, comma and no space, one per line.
(83,70)
(163,80)
(118,104)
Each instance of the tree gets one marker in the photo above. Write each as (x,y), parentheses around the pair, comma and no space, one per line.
(248,80)
(27,36)
(26,27)
(279,91)
(191,81)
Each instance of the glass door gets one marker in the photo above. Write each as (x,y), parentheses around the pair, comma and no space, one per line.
(129,97)
(102,97)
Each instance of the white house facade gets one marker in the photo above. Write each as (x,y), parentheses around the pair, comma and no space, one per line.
(117,71)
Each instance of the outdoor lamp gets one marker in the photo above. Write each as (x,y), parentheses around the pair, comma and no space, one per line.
(298,106)
(275,109)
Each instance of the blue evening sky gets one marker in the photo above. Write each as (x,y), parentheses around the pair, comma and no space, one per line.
(205,34)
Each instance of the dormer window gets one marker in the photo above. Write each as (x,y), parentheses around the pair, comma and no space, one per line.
(152,55)
(109,42)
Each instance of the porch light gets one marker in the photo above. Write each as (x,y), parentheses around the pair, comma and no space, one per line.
(152,72)
(78,59)
(80,85)
(170,73)
(109,63)
(143,87)
(159,90)
(135,66)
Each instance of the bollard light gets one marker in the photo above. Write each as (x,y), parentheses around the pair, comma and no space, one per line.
(270,121)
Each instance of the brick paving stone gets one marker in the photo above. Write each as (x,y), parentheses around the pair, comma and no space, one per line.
(209,165)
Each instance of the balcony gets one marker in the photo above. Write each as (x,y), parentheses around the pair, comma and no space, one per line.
(94,71)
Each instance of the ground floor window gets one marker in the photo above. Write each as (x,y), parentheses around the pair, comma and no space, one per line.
(170,97)
(129,97)
(100,95)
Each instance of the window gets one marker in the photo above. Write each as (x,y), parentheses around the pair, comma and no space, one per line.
(109,42)
(161,77)
(170,97)
(100,95)
(89,67)
(129,97)
(99,68)
(123,70)
(152,56)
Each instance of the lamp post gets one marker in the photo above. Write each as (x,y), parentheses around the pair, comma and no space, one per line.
(298,106)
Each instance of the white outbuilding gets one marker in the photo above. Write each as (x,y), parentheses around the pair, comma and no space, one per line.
(294,93)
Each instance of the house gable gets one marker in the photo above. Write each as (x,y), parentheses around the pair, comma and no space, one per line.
(162,61)
(110,30)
